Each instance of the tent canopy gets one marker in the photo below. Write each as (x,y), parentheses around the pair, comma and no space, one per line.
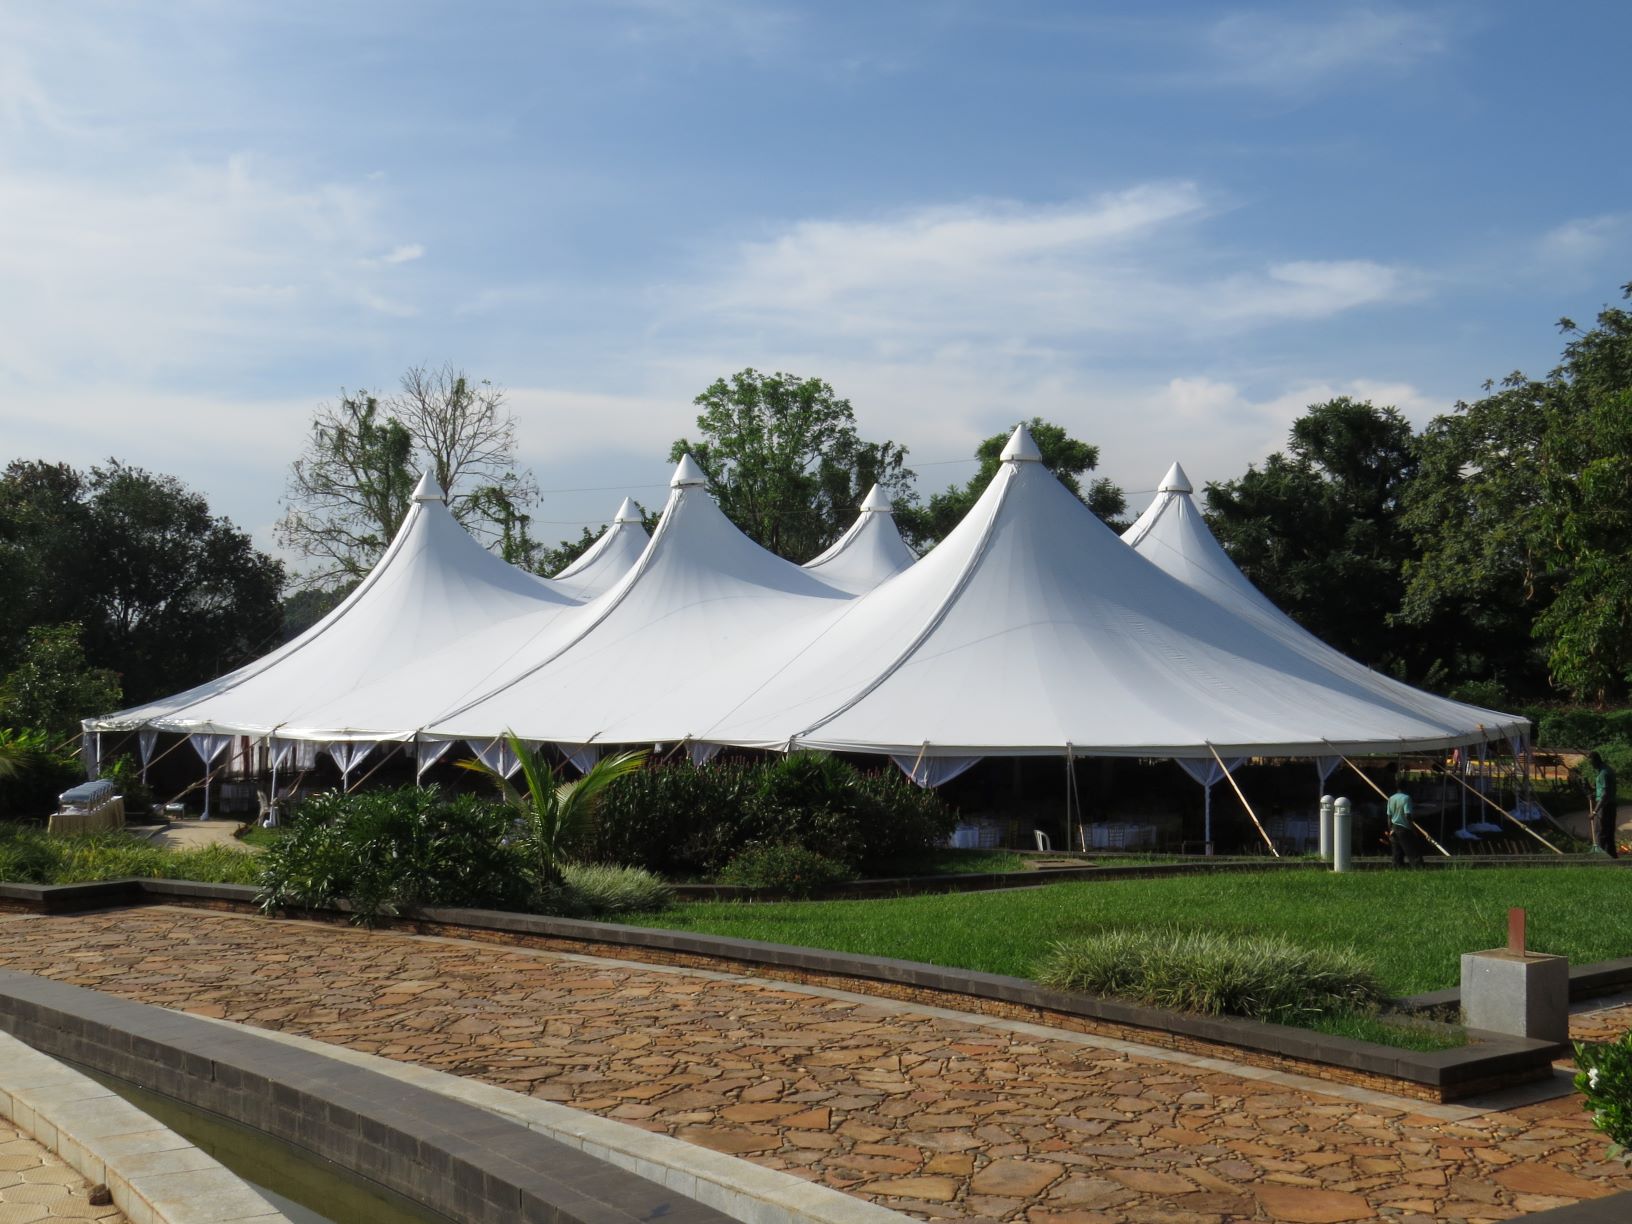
(869,553)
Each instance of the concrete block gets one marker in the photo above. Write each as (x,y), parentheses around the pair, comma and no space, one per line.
(1521,994)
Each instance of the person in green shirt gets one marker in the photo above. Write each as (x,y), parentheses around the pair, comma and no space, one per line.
(1402,834)
(1604,804)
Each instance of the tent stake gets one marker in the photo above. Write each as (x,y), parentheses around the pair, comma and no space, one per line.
(1364,777)
(1230,778)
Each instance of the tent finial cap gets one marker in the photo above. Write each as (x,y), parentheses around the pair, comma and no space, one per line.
(877,502)
(628,512)
(427,490)
(1021,448)
(1175,481)
(687,474)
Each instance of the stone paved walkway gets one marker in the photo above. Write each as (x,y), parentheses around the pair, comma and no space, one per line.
(35,1185)
(931,1115)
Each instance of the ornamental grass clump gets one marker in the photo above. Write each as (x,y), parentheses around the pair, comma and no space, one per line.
(593,890)
(1605,1081)
(1262,977)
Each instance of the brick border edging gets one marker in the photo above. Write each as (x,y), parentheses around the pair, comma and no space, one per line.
(457,1159)
(1490,1061)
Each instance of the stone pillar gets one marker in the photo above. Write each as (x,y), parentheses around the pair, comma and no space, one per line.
(1522,994)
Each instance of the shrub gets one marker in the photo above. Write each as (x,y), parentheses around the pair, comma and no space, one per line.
(1487,693)
(1261,977)
(592,890)
(1605,1080)
(1572,729)
(784,868)
(684,819)
(41,774)
(397,848)
(29,856)
(125,773)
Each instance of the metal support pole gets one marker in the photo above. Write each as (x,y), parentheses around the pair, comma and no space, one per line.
(1342,834)
(1326,802)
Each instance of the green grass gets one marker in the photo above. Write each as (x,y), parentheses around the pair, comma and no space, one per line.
(1412,925)
(947,862)
(261,838)
(1391,1029)
(29,856)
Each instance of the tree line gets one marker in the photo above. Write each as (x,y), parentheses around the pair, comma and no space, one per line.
(1488,555)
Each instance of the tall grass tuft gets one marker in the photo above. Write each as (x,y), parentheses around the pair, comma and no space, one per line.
(28,855)
(1263,977)
(593,889)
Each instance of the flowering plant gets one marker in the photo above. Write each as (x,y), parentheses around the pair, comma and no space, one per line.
(1605,1079)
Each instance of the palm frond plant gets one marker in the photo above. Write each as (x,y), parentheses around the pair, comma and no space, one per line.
(554,813)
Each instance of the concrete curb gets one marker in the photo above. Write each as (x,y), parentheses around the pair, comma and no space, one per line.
(737,1188)
(154,1175)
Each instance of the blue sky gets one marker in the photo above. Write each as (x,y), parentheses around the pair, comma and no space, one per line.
(1168,227)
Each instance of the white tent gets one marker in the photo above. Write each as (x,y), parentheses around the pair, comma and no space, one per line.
(870,552)
(609,558)
(1030,630)
(1173,535)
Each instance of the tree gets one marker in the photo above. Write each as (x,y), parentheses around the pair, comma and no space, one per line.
(1528,503)
(351,487)
(1068,458)
(555,813)
(53,686)
(1318,529)
(785,462)
(167,594)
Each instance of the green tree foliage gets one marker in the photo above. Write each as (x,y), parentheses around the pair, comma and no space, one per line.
(166,594)
(1068,458)
(53,686)
(1318,528)
(785,462)
(350,488)
(1525,508)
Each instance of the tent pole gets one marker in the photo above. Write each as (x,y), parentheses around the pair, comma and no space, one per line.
(1486,799)
(1364,777)
(1230,778)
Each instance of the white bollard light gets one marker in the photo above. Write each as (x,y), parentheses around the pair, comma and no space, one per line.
(1342,838)
(1326,802)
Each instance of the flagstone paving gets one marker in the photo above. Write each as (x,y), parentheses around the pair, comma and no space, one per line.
(35,1185)
(924,1112)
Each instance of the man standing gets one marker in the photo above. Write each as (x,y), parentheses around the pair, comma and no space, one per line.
(1604,804)
(1402,836)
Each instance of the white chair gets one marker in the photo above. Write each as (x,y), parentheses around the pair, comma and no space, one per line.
(1043,844)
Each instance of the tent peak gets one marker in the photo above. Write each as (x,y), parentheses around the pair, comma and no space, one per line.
(427,490)
(1175,481)
(628,512)
(687,474)
(1021,448)
(877,502)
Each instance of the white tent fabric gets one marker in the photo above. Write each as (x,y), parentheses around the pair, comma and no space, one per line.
(932,771)
(348,754)
(869,553)
(497,755)
(1208,773)
(368,669)
(428,752)
(1029,629)
(609,558)
(1173,535)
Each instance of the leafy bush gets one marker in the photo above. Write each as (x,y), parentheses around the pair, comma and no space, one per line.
(1261,977)
(784,868)
(1605,1080)
(397,848)
(125,773)
(684,819)
(1572,729)
(593,890)
(1487,693)
(40,774)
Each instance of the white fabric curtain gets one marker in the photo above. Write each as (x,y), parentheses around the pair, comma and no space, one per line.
(1324,767)
(209,748)
(582,756)
(146,741)
(702,754)
(930,772)
(496,755)
(90,754)
(428,753)
(279,752)
(348,754)
(1207,772)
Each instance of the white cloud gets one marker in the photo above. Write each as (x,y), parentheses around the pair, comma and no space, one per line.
(1023,275)
(1585,239)
(405,253)
(1294,54)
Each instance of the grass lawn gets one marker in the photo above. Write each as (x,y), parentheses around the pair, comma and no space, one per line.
(1413,926)
(29,856)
